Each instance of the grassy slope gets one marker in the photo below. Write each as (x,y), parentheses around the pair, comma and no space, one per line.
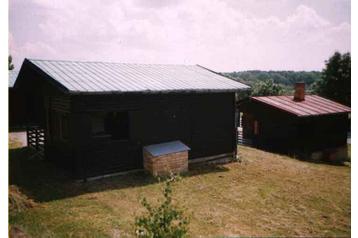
(265,195)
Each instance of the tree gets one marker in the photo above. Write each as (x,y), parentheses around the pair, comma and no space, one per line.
(335,82)
(11,65)
(164,220)
(266,88)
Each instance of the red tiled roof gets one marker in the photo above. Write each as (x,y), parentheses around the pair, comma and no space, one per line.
(312,105)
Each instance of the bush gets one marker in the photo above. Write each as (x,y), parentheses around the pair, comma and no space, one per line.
(266,88)
(164,220)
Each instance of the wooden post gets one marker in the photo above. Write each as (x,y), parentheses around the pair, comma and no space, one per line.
(37,132)
(235,134)
(27,136)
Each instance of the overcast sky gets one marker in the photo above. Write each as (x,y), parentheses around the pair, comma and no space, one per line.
(224,35)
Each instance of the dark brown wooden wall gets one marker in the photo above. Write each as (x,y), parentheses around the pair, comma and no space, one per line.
(205,122)
(17,110)
(57,150)
(34,90)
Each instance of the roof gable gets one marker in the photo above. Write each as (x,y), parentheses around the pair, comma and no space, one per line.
(313,105)
(101,77)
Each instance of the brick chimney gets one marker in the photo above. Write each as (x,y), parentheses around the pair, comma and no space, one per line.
(299,92)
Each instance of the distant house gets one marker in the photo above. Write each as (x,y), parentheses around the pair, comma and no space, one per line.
(304,125)
(97,116)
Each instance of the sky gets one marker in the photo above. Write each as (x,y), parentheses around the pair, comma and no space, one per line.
(223,35)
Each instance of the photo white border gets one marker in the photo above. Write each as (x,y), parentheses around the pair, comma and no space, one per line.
(4,52)
(4,26)
(354,67)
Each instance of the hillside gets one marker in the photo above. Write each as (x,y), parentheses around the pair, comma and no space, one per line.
(264,195)
(285,78)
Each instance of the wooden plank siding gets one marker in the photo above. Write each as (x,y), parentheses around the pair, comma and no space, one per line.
(204,122)
(61,103)
(58,149)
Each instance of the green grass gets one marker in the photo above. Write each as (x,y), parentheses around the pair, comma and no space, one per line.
(264,195)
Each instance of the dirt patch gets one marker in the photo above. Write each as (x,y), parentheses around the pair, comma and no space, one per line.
(18,201)
(18,137)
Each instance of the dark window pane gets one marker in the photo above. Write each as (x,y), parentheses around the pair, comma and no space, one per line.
(115,124)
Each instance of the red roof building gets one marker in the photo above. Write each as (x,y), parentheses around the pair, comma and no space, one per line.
(313,105)
(304,125)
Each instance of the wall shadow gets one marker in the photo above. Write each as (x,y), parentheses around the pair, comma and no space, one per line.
(304,157)
(42,181)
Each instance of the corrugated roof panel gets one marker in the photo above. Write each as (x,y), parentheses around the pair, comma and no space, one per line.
(306,109)
(313,105)
(105,77)
(12,77)
(54,73)
(101,77)
(166,148)
(328,103)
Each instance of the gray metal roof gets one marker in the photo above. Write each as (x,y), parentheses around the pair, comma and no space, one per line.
(12,77)
(94,77)
(166,148)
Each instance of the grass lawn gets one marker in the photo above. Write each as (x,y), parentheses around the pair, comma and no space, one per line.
(264,195)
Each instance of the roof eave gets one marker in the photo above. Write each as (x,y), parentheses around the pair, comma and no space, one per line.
(295,114)
(156,92)
(322,114)
(225,76)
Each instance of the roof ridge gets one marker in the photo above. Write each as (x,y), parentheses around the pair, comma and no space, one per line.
(108,62)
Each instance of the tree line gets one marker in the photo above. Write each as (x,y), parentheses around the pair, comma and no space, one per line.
(285,78)
(333,82)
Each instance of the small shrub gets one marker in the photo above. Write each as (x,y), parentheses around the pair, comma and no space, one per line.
(164,220)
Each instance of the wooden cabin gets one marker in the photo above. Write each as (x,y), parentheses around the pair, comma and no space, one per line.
(97,117)
(304,125)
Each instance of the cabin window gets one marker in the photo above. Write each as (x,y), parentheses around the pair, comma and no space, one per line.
(256,127)
(113,124)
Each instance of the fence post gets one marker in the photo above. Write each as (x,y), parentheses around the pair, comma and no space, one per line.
(27,136)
